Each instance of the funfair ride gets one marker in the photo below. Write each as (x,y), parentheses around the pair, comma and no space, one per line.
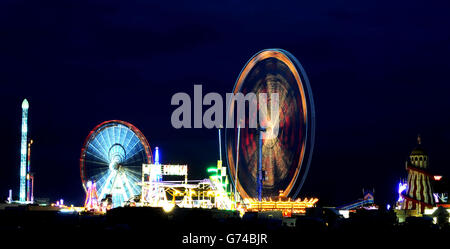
(207,193)
(418,194)
(278,165)
(112,158)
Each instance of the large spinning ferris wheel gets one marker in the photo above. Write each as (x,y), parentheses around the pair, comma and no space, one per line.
(285,158)
(112,158)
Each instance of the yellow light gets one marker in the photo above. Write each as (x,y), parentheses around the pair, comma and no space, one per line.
(297,206)
(168,207)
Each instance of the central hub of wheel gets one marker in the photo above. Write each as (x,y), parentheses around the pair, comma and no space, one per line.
(117,155)
(115,164)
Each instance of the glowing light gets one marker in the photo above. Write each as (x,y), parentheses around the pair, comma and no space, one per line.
(91,203)
(401,187)
(179,170)
(10,196)
(168,207)
(430,211)
(23,151)
(157,155)
(437,178)
(25,104)
(67,210)
(297,206)
(345,213)
(211,169)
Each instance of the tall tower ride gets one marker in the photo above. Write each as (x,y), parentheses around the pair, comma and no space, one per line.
(418,193)
(23,152)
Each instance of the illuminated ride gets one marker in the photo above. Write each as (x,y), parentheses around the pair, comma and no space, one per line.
(367,202)
(285,159)
(91,203)
(112,158)
(24,170)
(418,195)
(288,207)
(184,193)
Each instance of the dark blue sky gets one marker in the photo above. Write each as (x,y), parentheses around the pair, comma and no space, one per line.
(378,71)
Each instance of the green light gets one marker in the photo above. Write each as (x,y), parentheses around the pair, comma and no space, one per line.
(211,169)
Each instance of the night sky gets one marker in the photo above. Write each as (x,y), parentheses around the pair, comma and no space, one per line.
(378,71)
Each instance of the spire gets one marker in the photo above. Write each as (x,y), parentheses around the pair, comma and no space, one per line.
(418,150)
(25,104)
(157,156)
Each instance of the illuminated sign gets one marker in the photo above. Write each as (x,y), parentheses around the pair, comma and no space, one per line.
(178,170)
(157,170)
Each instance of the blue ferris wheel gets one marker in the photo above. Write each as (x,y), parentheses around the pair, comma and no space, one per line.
(112,157)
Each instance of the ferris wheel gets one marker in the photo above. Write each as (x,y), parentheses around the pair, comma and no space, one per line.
(112,157)
(285,158)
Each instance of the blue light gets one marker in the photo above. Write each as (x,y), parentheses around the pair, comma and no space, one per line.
(23,151)
(401,187)
(156,155)
(114,157)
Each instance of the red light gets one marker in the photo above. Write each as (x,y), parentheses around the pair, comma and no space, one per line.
(437,178)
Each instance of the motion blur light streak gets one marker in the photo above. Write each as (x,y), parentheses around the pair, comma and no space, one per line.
(286,158)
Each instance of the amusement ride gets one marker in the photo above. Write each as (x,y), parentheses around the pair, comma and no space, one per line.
(261,173)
